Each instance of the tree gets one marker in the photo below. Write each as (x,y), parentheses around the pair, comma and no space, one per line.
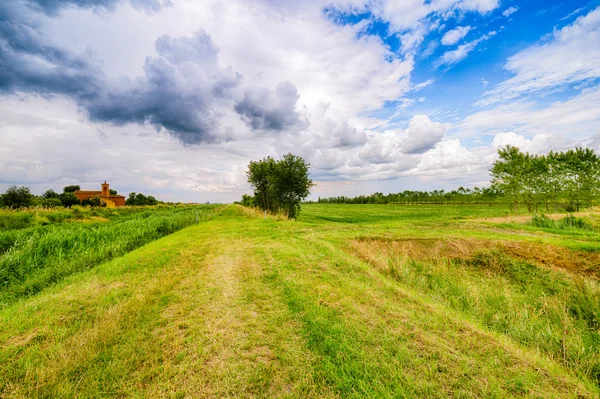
(507,173)
(17,197)
(291,183)
(93,202)
(112,192)
(582,175)
(71,189)
(140,199)
(51,203)
(259,173)
(50,194)
(69,199)
(280,185)
(247,200)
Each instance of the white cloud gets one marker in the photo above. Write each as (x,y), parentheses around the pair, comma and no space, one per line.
(576,117)
(337,75)
(571,55)
(455,35)
(422,134)
(422,85)
(452,57)
(510,10)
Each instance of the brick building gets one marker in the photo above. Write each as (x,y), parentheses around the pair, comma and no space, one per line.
(111,200)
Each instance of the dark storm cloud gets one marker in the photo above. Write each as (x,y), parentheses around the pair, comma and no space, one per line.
(264,109)
(177,92)
(28,63)
(53,7)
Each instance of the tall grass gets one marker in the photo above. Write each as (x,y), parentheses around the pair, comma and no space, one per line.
(569,222)
(540,308)
(36,257)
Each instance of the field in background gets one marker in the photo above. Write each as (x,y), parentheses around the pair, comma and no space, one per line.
(349,301)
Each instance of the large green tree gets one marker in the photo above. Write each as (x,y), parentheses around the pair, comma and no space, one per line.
(280,185)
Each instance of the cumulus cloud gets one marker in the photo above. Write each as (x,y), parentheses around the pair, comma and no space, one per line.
(570,56)
(455,35)
(264,109)
(177,92)
(422,135)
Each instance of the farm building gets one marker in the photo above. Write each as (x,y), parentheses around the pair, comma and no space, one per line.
(111,200)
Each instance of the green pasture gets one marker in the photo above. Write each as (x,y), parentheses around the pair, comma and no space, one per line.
(349,301)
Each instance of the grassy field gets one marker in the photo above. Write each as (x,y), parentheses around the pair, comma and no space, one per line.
(39,247)
(350,301)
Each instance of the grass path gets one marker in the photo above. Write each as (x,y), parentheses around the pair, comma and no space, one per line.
(245,307)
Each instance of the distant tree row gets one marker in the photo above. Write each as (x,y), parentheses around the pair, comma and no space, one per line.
(462,195)
(568,180)
(21,197)
(279,185)
(558,180)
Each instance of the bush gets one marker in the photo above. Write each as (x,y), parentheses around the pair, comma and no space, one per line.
(567,223)
(93,202)
(17,197)
(51,203)
(69,199)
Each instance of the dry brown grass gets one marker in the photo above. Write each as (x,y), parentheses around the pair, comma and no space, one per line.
(258,213)
(526,218)
(546,255)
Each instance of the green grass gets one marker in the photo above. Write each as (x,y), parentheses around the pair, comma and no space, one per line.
(33,257)
(364,301)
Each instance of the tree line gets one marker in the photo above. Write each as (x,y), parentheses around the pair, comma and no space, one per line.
(21,197)
(462,195)
(555,181)
(565,180)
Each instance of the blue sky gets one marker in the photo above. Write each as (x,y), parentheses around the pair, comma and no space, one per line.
(174,98)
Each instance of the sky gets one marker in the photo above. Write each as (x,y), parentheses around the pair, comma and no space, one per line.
(174,98)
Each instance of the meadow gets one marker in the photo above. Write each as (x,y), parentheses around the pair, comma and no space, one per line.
(348,301)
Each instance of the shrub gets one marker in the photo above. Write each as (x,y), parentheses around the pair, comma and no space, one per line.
(69,199)
(93,202)
(17,197)
(51,203)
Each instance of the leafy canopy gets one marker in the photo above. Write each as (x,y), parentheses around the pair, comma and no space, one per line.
(279,185)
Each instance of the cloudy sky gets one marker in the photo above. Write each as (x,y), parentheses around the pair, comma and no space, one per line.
(174,97)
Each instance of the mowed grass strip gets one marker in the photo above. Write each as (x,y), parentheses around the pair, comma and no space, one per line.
(242,306)
(189,315)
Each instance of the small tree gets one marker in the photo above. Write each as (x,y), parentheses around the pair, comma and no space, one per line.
(280,185)
(50,194)
(247,200)
(93,202)
(51,203)
(112,192)
(136,199)
(71,189)
(17,197)
(507,173)
(69,199)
